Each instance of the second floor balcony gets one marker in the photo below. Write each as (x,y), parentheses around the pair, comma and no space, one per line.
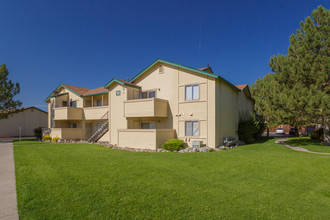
(96,113)
(68,113)
(150,107)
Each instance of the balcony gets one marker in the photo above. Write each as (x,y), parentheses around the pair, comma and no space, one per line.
(65,133)
(144,138)
(95,113)
(68,113)
(152,107)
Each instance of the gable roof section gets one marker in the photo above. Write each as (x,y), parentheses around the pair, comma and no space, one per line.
(241,87)
(186,68)
(245,88)
(206,69)
(16,110)
(97,91)
(79,91)
(121,82)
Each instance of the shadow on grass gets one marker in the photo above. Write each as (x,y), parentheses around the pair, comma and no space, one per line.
(302,142)
(260,141)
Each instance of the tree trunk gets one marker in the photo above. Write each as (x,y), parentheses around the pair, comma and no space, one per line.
(267,131)
(296,131)
(326,133)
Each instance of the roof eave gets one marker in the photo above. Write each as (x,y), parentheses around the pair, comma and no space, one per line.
(95,94)
(121,83)
(184,67)
(50,96)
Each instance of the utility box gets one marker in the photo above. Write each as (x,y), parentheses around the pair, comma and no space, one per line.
(196,144)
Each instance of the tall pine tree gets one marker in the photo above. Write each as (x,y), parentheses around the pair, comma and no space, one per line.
(302,76)
(7,92)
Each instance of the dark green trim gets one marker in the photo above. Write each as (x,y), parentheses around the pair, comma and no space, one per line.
(64,87)
(121,83)
(60,95)
(250,96)
(95,94)
(184,67)
(50,96)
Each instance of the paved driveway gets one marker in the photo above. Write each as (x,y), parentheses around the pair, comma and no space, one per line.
(8,202)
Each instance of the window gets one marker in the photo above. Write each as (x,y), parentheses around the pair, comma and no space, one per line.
(192,128)
(64,103)
(152,94)
(98,102)
(148,94)
(148,125)
(192,92)
(73,125)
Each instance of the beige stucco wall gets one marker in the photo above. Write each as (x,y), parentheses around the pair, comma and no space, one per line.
(226,112)
(27,119)
(105,137)
(245,105)
(152,107)
(144,138)
(117,118)
(95,113)
(67,133)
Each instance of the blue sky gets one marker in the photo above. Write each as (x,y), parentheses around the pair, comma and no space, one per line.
(87,43)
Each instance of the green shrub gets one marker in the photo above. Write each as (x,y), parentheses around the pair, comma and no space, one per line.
(251,126)
(211,150)
(38,133)
(318,135)
(174,144)
(55,139)
(47,138)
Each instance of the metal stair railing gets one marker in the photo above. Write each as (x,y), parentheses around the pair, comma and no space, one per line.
(101,130)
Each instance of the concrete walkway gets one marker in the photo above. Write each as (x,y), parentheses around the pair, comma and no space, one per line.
(282,141)
(8,202)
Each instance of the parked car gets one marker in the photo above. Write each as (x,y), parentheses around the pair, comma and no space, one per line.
(292,131)
(280,131)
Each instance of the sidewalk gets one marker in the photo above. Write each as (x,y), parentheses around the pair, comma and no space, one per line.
(8,202)
(282,142)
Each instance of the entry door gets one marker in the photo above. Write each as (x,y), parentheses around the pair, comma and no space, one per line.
(89,130)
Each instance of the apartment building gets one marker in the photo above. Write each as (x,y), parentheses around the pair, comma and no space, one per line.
(164,101)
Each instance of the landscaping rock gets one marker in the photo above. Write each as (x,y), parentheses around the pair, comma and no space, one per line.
(204,149)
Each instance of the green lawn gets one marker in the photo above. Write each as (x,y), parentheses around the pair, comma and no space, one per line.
(309,144)
(82,181)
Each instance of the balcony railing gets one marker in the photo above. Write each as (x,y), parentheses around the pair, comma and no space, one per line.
(68,113)
(95,113)
(151,107)
(144,138)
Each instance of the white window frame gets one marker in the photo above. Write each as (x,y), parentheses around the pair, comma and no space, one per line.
(196,134)
(194,95)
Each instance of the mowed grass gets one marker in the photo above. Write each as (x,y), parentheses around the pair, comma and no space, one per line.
(83,181)
(306,142)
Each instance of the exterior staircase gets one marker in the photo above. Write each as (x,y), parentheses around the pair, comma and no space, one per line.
(101,130)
